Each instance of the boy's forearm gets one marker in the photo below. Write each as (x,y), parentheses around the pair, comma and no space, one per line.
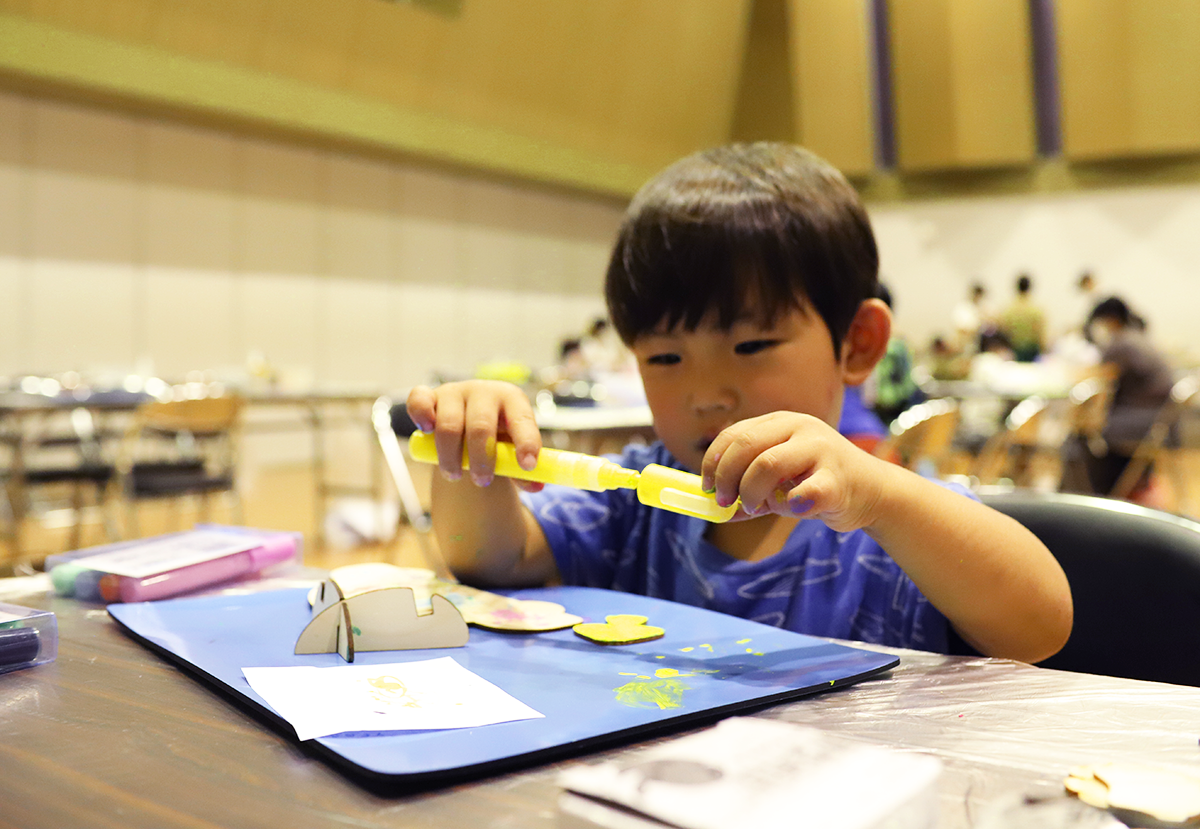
(993,579)
(482,531)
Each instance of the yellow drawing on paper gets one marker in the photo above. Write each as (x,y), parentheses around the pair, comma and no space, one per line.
(391,691)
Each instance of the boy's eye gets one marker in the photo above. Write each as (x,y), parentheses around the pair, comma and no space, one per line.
(663,359)
(753,346)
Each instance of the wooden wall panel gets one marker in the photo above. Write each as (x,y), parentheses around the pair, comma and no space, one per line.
(625,86)
(962,81)
(765,108)
(832,74)
(1130,77)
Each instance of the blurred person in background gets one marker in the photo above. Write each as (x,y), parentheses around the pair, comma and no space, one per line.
(1024,323)
(970,318)
(891,388)
(1143,384)
(1087,296)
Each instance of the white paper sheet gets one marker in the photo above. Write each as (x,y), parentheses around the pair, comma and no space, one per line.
(402,696)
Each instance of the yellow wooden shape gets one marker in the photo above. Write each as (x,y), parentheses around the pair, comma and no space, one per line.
(621,629)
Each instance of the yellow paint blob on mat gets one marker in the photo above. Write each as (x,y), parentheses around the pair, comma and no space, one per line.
(661,693)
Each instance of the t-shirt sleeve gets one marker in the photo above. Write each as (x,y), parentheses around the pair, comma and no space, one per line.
(586,530)
(582,529)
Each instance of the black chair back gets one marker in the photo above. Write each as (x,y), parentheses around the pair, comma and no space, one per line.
(1135,579)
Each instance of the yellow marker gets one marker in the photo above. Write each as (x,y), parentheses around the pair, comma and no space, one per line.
(657,486)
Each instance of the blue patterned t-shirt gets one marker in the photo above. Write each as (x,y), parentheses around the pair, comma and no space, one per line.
(822,583)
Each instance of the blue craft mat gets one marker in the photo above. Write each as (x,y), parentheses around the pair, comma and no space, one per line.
(570,680)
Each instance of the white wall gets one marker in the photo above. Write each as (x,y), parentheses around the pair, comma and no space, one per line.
(1142,244)
(128,243)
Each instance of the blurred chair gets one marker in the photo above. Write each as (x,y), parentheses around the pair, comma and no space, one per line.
(921,435)
(44,456)
(1088,404)
(392,426)
(1010,453)
(1135,579)
(179,449)
(1159,448)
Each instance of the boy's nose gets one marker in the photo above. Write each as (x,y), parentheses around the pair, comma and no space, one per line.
(713,400)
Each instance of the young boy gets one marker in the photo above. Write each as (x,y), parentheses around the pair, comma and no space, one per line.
(743,279)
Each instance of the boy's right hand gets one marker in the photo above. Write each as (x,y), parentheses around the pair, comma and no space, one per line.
(471,413)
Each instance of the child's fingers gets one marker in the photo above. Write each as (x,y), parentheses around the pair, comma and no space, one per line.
(750,458)
(482,423)
(448,430)
(522,430)
(422,407)
(809,497)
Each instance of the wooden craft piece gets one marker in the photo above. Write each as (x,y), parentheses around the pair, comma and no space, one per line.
(621,629)
(478,607)
(1165,795)
(352,579)
(379,620)
(530,616)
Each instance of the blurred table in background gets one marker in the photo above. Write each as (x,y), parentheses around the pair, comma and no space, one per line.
(595,429)
(320,412)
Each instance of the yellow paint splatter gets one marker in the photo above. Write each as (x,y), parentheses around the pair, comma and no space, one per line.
(663,693)
(742,641)
(626,673)
(666,673)
(708,648)
(687,650)
(659,656)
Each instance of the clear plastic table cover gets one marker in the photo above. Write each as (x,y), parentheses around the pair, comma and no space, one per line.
(1009,733)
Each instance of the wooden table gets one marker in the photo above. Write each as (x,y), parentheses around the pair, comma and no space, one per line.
(110,735)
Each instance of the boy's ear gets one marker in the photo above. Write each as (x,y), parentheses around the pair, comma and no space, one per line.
(866,341)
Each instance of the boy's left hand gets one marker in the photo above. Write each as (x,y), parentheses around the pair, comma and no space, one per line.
(796,465)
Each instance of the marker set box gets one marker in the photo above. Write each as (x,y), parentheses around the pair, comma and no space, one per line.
(27,637)
(169,565)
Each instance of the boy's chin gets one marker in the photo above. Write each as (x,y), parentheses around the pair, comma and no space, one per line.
(741,515)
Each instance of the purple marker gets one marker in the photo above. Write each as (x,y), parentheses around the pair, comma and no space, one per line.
(273,550)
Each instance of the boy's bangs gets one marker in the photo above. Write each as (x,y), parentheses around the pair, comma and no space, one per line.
(695,273)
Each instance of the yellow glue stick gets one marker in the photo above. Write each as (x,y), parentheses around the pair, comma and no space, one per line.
(657,486)
(554,466)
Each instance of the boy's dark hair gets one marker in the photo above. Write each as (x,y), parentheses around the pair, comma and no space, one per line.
(766,227)
(1113,308)
(884,294)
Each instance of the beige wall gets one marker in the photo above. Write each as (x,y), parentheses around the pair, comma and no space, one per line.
(127,242)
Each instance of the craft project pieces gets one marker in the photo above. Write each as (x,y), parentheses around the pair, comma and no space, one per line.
(378,620)
(1169,797)
(478,607)
(621,629)
(740,665)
